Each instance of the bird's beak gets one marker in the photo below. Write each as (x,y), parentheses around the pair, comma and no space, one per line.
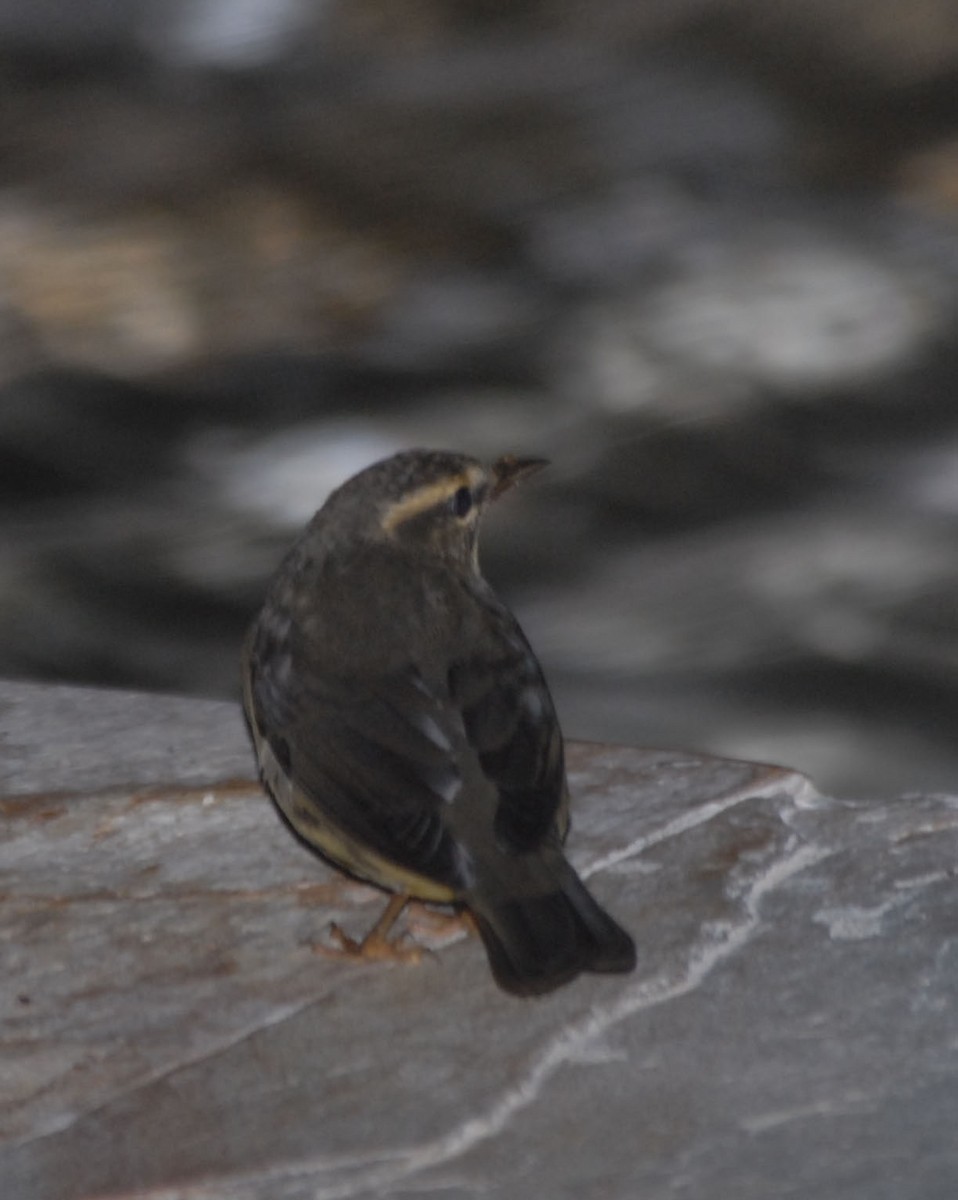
(508,470)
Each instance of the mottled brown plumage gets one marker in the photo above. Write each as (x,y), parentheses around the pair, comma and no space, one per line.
(403,725)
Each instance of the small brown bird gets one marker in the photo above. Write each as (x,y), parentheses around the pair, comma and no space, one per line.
(403,724)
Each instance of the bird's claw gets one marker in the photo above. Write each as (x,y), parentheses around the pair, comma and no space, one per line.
(377,945)
(374,947)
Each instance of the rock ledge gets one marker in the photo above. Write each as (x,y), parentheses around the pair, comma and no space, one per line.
(166,1029)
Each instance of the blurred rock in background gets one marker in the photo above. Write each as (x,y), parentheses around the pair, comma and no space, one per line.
(701,254)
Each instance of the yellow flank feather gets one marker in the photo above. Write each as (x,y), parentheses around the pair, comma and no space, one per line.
(308,821)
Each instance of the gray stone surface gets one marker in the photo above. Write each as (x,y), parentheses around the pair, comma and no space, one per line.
(166,1029)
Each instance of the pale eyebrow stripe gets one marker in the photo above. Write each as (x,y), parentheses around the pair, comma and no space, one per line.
(426,497)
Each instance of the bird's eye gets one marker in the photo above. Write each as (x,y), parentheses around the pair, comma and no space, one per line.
(461,501)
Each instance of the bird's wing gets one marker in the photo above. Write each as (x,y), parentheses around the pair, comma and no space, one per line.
(374,756)
(383,758)
(510,723)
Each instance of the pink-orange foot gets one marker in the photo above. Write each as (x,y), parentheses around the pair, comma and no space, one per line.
(437,925)
(376,946)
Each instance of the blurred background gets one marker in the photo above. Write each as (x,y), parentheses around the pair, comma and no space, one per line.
(700,253)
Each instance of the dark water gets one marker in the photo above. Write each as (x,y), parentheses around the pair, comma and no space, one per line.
(241,260)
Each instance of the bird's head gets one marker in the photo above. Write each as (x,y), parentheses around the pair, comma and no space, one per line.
(428,499)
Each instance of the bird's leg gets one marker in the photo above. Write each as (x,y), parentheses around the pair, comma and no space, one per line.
(376,946)
(439,926)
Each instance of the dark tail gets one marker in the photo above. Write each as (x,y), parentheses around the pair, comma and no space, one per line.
(537,943)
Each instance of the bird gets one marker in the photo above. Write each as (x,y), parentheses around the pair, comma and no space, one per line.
(403,725)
